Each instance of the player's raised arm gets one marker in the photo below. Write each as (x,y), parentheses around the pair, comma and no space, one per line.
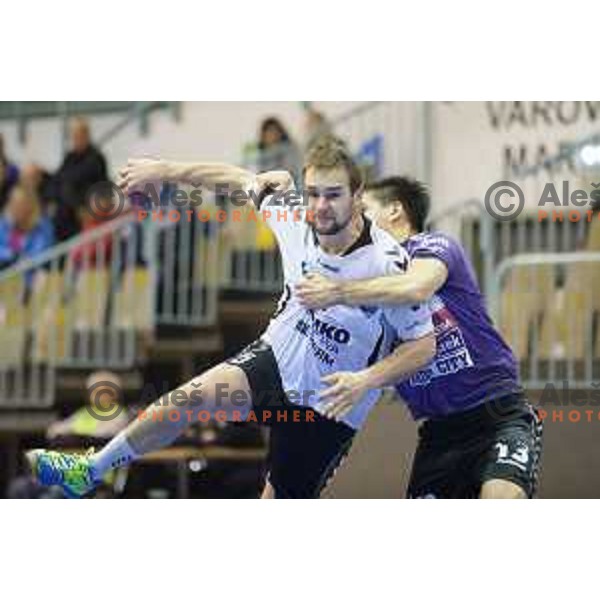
(139,173)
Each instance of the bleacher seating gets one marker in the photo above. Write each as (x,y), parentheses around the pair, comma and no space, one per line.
(132,301)
(49,313)
(523,303)
(567,326)
(12,321)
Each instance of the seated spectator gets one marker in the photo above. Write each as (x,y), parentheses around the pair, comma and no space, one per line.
(277,151)
(9,175)
(83,166)
(24,231)
(38,179)
(91,253)
(104,391)
(100,208)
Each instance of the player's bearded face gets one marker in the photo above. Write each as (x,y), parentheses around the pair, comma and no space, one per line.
(330,200)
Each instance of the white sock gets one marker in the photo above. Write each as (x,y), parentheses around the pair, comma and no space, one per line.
(117,453)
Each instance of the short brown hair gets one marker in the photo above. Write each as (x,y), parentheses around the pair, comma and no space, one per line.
(329,152)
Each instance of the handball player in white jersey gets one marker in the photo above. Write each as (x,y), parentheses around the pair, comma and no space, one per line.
(313,375)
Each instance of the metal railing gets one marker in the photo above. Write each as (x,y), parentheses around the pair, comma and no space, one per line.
(541,279)
(250,260)
(547,306)
(41,110)
(543,275)
(56,312)
(94,301)
(185,250)
(75,276)
(25,112)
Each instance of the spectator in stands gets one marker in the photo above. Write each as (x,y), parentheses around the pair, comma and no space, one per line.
(24,231)
(315,125)
(91,253)
(37,178)
(99,209)
(277,150)
(82,167)
(104,396)
(9,174)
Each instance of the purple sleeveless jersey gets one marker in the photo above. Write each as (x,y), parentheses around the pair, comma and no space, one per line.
(472,364)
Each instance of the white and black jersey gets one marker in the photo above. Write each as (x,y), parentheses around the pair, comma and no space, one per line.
(309,344)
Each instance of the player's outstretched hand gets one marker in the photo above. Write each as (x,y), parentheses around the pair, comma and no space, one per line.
(280,181)
(317,291)
(345,390)
(139,173)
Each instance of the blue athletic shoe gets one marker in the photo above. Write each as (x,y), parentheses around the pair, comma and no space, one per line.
(72,472)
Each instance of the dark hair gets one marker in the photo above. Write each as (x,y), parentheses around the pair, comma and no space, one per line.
(412,194)
(272,122)
(329,152)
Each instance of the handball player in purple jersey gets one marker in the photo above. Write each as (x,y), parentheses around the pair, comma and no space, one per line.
(479,437)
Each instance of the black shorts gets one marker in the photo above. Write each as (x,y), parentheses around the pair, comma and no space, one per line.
(305,448)
(456,455)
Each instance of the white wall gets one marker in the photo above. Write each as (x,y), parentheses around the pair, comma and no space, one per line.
(207,130)
(470,140)
(473,140)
